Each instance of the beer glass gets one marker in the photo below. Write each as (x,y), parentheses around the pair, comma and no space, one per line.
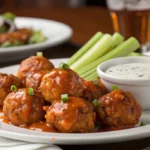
(132,18)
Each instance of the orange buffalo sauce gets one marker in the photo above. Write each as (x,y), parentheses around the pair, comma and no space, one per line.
(67,112)
(44,127)
(106,129)
(39,126)
(4,119)
(1,109)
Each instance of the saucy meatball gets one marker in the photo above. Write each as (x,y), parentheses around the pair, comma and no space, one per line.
(21,35)
(61,81)
(6,81)
(119,108)
(21,108)
(75,115)
(33,64)
(94,90)
(34,80)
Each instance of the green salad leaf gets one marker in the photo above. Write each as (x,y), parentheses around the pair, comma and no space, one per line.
(37,37)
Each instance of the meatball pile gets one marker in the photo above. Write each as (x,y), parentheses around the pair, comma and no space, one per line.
(24,105)
(61,98)
(75,115)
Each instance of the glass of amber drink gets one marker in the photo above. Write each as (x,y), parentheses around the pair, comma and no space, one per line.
(132,18)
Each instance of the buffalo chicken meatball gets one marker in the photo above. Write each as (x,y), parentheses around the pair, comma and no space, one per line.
(33,64)
(22,108)
(34,80)
(75,115)
(61,81)
(94,90)
(6,81)
(118,109)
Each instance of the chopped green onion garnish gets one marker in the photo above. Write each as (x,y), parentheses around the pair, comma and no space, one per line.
(142,124)
(114,87)
(13,88)
(96,82)
(31,91)
(64,97)
(63,66)
(40,54)
(95,103)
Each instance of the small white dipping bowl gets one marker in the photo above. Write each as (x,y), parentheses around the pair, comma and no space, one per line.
(139,88)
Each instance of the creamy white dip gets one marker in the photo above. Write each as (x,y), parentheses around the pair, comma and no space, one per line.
(130,71)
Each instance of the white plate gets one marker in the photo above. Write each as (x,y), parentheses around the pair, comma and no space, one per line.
(56,33)
(17,133)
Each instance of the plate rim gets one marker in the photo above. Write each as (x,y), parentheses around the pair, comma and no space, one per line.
(78,138)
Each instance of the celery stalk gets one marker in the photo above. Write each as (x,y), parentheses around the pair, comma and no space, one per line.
(85,48)
(135,54)
(92,76)
(117,40)
(124,49)
(86,74)
(98,50)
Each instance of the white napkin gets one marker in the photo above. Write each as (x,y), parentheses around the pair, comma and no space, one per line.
(9,144)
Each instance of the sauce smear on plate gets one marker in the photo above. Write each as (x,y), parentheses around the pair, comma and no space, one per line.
(39,126)
(44,127)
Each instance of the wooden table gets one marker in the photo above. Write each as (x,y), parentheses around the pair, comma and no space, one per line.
(85,22)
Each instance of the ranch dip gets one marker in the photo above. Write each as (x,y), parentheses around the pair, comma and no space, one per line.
(130,71)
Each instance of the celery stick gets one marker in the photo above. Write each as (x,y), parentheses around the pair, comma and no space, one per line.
(85,48)
(124,49)
(86,74)
(92,76)
(117,39)
(135,54)
(98,50)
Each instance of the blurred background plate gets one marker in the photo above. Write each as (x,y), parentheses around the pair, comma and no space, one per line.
(56,33)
